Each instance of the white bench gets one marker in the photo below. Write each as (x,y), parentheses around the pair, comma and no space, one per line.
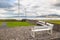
(48,27)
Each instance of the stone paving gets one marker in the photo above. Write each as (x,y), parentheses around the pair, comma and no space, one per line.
(24,33)
(14,34)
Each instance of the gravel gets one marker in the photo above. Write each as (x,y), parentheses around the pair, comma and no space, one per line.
(24,33)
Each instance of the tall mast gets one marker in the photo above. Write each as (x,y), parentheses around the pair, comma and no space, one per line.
(18,9)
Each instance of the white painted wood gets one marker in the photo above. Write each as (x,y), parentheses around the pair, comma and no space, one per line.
(45,27)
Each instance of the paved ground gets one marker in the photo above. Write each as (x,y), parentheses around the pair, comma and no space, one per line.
(24,33)
(3,25)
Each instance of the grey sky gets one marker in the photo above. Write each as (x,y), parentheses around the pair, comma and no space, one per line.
(30,7)
(41,7)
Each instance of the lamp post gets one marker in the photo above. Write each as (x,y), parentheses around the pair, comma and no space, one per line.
(24,19)
(18,9)
(25,13)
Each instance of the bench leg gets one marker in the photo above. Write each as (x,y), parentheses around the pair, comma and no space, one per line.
(33,34)
(50,32)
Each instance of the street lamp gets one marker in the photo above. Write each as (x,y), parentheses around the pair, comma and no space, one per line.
(18,9)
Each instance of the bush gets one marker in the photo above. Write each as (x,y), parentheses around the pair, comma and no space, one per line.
(24,20)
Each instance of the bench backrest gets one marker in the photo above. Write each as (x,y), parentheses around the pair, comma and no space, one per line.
(47,25)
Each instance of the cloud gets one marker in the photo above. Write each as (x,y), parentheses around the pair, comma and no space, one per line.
(57,5)
(6,3)
(2,11)
(13,9)
(28,7)
(40,7)
(8,8)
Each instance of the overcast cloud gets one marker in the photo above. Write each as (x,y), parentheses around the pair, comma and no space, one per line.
(41,7)
(8,8)
(30,7)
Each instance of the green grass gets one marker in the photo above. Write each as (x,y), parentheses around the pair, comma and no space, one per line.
(53,21)
(12,24)
(0,24)
(18,24)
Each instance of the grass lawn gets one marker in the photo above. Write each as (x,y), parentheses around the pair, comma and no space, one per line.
(17,24)
(53,21)
(25,24)
(1,23)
